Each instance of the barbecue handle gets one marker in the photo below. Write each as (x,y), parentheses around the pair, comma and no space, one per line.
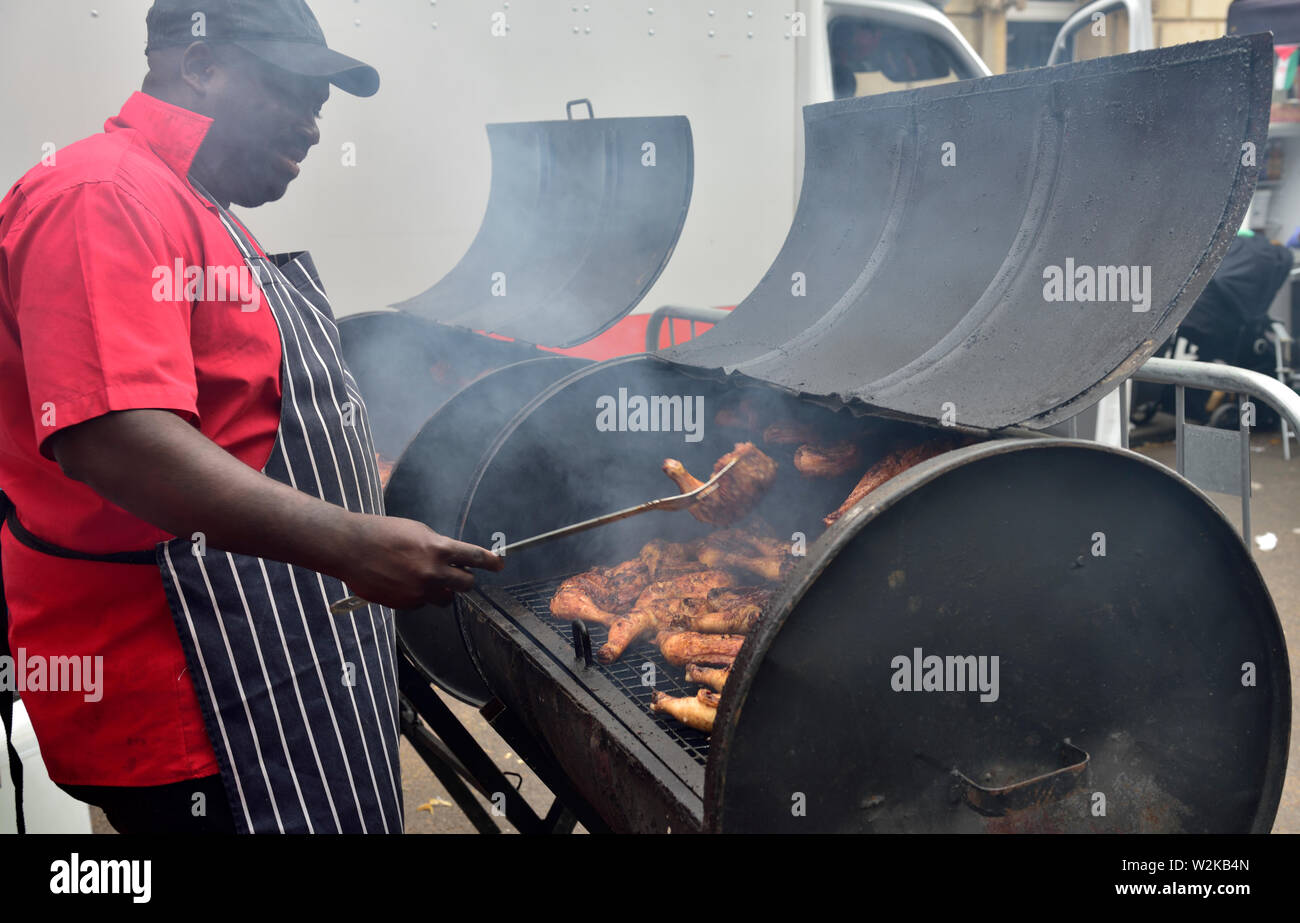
(568,108)
(1041,789)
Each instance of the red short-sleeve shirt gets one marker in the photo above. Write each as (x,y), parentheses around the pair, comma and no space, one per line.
(93,319)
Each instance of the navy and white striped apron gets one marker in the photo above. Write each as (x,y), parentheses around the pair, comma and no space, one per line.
(300,705)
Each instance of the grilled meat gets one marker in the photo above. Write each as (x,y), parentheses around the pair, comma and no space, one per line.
(697,584)
(741,415)
(689,711)
(737,620)
(385,469)
(708,697)
(730,597)
(738,491)
(894,463)
(791,432)
(660,556)
(769,558)
(682,647)
(620,585)
(715,677)
(657,607)
(605,592)
(571,602)
(726,610)
(827,461)
(613,589)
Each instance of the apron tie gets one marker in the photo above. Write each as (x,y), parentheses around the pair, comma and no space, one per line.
(9,696)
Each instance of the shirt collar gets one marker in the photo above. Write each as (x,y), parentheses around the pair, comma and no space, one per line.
(173,133)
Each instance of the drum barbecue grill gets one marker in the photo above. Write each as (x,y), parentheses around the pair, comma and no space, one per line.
(1140,688)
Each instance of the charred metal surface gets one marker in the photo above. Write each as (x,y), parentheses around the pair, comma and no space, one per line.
(1163,659)
(915,272)
(428,484)
(614,757)
(578,227)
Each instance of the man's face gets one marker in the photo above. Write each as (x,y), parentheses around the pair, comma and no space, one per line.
(264,122)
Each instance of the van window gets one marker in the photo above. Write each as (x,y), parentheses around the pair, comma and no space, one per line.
(870,57)
(1098,37)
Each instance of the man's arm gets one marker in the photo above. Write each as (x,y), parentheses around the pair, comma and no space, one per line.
(161,469)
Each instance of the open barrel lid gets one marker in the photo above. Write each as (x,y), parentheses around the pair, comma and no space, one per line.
(582,216)
(1003,251)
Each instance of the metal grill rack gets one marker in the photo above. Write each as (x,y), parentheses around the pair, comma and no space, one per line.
(626,673)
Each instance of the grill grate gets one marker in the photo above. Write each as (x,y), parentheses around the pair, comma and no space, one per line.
(625,673)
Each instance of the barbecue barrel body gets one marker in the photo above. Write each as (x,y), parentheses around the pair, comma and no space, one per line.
(1140,681)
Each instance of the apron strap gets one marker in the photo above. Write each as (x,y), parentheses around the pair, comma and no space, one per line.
(9,516)
(8,696)
(247,247)
(36,543)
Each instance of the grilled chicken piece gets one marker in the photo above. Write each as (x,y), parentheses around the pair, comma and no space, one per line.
(682,647)
(827,461)
(791,432)
(697,584)
(659,555)
(741,415)
(657,606)
(738,491)
(385,468)
(726,610)
(715,677)
(606,592)
(729,597)
(738,620)
(572,602)
(613,589)
(658,560)
(894,463)
(620,585)
(769,558)
(708,697)
(689,711)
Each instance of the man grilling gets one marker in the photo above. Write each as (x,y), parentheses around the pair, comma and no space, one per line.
(167,445)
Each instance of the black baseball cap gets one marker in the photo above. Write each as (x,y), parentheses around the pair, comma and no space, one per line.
(281,32)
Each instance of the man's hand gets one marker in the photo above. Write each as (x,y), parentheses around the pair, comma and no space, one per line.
(161,469)
(405,564)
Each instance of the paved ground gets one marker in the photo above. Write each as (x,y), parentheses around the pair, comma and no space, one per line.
(1276,510)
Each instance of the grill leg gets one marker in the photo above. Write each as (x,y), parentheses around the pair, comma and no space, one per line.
(462,744)
(443,764)
(560,819)
(505,724)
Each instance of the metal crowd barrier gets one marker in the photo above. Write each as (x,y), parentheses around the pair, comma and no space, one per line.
(1216,459)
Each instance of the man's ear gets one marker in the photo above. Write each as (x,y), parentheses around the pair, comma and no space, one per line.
(200,67)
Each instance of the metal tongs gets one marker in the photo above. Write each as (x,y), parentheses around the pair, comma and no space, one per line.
(675,502)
